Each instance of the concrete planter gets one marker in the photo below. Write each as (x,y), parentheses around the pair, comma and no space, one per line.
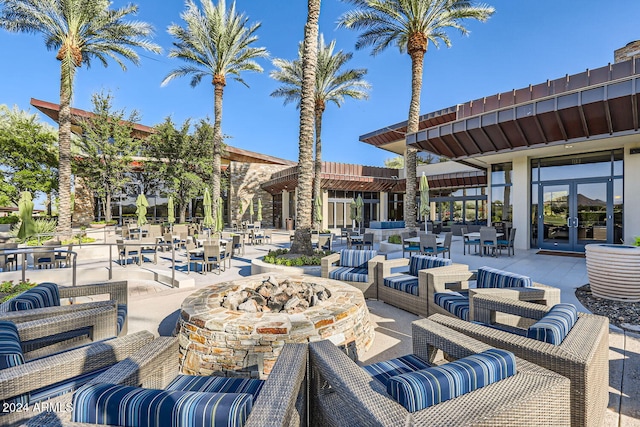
(259,267)
(614,271)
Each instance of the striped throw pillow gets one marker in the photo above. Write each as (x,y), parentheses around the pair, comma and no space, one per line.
(422,262)
(555,325)
(493,278)
(44,295)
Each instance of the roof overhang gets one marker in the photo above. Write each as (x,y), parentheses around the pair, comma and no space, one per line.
(230,154)
(596,104)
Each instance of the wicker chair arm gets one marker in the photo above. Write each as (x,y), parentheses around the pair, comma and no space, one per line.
(430,337)
(279,401)
(117,291)
(327,264)
(62,366)
(42,313)
(366,399)
(384,267)
(484,305)
(438,278)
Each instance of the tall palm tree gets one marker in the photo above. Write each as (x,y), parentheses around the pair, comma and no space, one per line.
(80,31)
(215,42)
(410,25)
(332,85)
(302,238)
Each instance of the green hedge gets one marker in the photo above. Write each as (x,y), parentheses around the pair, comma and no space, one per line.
(11,219)
(274,257)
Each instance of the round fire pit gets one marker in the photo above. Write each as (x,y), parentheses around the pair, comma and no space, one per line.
(238,328)
(614,271)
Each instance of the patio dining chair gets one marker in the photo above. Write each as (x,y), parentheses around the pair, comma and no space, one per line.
(8,260)
(476,385)
(367,241)
(428,244)
(508,243)
(488,241)
(147,385)
(575,345)
(213,256)
(409,247)
(468,241)
(46,257)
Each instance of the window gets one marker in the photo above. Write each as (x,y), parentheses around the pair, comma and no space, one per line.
(501,186)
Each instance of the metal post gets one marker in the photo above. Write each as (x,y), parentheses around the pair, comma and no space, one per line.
(110,263)
(173,263)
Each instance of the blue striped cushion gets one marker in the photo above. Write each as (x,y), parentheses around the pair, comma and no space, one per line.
(403,282)
(456,303)
(121,315)
(216,384)
(355,257)
(43,295)
(555,325)
(350,274)
(11,355)
(10,348)
(134,406)
(420,389)
(493,278)
(382,371)
(422,262)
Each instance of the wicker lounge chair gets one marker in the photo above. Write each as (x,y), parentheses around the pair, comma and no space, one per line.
(448,291)
(342,393)
(70,368)
(282,399)
(406,290)
(45,299)
(356,267)
(583,355)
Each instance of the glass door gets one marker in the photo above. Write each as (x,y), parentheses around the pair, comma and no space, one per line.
(554,218)
(574,214)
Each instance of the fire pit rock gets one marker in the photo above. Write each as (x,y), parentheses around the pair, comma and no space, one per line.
(238,328)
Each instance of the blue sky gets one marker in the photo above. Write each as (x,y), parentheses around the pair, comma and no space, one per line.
(525,42)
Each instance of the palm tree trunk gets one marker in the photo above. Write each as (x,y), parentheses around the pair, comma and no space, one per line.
(64,152)
(413,123)
(317,181)
(302,238)
(107,206)
(217,148)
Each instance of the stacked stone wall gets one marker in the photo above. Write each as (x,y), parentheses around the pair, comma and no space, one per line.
(631,50)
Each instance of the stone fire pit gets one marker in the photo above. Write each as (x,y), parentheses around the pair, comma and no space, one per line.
(235,329)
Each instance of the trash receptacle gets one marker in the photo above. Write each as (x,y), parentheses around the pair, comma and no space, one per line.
(289,223)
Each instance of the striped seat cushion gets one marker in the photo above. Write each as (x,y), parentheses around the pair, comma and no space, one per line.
(356,258)
(43,295)
(11,355)
(121,316)
(216,384)
(555,325)
(402,282)
(420,389)
(456,303)
(134,406)
(494,278)
(350,274)
(422,262)
(382,371)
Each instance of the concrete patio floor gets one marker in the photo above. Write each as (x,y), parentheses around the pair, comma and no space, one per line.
(156,307)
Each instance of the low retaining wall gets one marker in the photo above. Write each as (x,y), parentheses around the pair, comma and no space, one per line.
(259,267)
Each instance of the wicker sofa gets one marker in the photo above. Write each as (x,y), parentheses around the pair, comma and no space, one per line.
(406,290)
(583,355)
(342,393)
(282,399)
(355,267)
(38,381)
(443,284)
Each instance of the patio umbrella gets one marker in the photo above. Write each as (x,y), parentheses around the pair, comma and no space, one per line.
(317,205)
(359,205)
(240,209)
(171,211)
(25,211)
(259,215)
(207,221)
(251,211)
(353,213)
(219,219)
(141,210)
(424,197)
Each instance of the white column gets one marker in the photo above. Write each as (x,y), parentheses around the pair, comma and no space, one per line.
(631,199)
(285,208)
(384,206)
(521,201)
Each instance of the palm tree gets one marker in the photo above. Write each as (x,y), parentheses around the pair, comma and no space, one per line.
(410,25)
(80,31)
(302,238)
(332,85)
(216,42)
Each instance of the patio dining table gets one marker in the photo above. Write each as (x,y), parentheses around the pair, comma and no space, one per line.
(439,240)
(476,235)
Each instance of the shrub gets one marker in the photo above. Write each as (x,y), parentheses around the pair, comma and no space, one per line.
(9,290)
(395,239)
(274,257)
(11,219)
(637,242)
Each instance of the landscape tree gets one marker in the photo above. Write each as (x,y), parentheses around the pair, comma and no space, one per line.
(105,150)
(333,84)
(80,31)
(410,25)
(302,237)
(216,42)
(181,159)
(28,155)
(398,161)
